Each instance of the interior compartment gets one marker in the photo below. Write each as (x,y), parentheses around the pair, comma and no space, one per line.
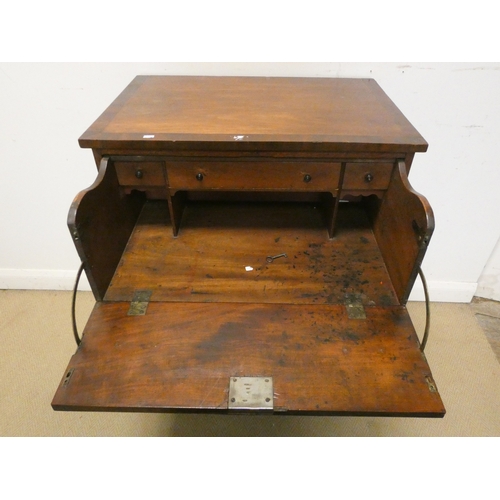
(220,255)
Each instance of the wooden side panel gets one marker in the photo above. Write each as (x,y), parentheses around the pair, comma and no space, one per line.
(100,221)
(403,227)
(179,357)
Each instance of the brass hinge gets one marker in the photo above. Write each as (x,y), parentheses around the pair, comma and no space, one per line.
(68,376)
(140,302)
(354,306)
(431,384)
(421,233)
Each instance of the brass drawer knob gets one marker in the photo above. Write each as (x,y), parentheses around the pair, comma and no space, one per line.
(139,174)
(368,177)
(199,177)
(307,178)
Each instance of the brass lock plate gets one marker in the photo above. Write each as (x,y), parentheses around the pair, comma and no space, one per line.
(251,393)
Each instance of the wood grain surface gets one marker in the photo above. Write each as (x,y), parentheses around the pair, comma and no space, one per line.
(403,228)
(180,356)
(217,241)
(254,113)
(100,221)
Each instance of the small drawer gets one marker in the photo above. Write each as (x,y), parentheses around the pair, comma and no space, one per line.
(369,175)
(253,175)
(132,173)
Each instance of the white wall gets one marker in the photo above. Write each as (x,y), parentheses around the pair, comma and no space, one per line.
(44,108)
(489,282)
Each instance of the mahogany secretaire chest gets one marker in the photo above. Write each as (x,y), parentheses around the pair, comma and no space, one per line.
(251,244)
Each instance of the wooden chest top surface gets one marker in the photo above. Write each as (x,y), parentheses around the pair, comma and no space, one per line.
(254,113)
